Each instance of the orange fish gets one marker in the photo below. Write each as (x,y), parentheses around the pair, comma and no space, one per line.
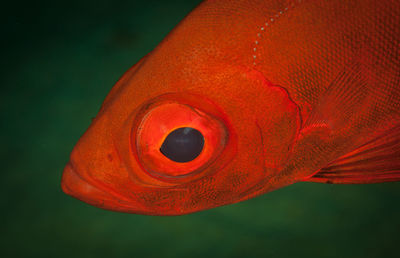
(244,97)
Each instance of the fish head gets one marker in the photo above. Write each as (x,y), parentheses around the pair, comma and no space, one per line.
(184,130)
(171,144)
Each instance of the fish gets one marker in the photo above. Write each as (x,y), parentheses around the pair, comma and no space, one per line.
(245,97)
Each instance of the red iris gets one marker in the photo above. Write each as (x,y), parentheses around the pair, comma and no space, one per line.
(163,118)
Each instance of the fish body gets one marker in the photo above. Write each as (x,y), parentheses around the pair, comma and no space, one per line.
(273,91)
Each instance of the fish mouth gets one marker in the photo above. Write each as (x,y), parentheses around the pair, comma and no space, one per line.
(76,186)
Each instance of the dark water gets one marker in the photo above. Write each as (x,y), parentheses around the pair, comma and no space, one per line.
(59,60)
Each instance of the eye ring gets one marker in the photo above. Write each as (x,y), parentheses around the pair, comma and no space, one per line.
(158,120)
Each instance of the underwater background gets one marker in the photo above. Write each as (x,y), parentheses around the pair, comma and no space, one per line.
(59,60)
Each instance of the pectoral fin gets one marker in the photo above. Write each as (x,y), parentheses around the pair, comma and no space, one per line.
(374,162)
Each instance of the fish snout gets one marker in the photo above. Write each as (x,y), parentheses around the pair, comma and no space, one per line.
(75,185)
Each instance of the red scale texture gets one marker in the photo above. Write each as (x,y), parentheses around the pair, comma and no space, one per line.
(292,90)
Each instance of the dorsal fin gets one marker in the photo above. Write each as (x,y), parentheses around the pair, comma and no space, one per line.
(374,162)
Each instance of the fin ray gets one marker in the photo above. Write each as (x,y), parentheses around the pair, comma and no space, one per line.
(374,162)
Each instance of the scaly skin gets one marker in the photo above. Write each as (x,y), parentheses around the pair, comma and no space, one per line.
(290,85)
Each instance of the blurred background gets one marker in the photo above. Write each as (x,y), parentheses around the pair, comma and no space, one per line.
(59,60)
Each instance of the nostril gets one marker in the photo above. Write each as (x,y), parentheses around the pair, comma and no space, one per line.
(110,157)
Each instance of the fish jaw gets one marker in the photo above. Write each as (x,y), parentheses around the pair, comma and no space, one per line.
(74,185)
(98,195)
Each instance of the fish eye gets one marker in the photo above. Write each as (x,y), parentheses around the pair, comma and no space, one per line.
(183,144)
(175,140)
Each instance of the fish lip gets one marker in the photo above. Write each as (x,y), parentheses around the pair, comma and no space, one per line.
(71,180)
(74,185)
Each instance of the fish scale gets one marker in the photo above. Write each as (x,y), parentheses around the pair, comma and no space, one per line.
(281,91)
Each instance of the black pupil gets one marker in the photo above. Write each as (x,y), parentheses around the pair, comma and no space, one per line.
(183,144)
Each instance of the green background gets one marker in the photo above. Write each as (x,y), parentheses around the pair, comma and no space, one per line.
(59,60)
